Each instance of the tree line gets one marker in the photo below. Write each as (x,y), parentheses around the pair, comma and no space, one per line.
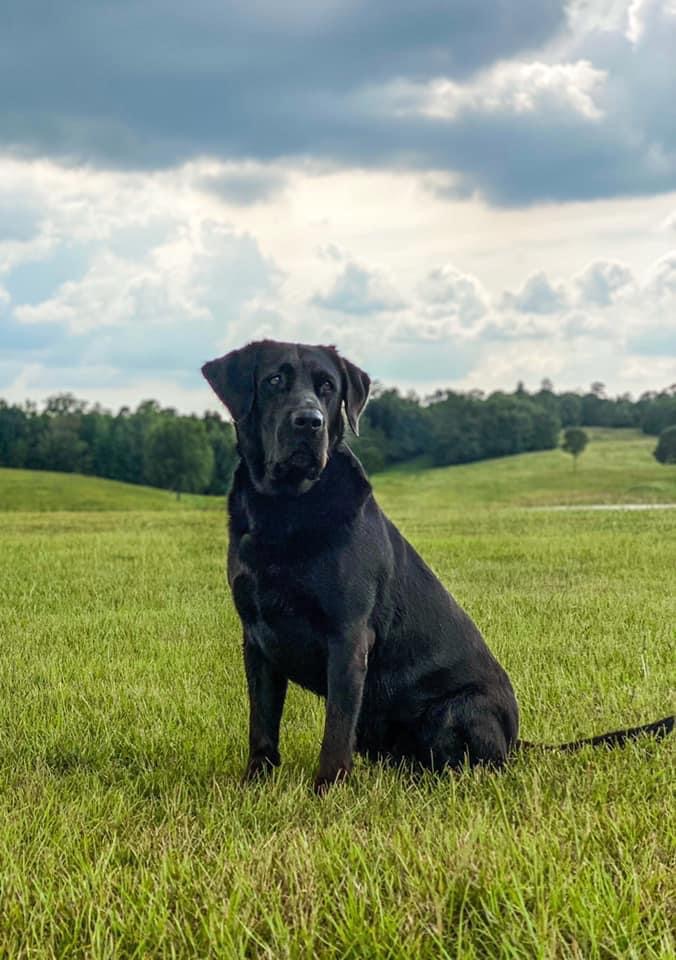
(449,427)
(149,445)
(158,446)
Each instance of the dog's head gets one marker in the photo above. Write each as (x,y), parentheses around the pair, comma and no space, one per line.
(286,400)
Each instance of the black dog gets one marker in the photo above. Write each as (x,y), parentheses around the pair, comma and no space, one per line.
(331,595)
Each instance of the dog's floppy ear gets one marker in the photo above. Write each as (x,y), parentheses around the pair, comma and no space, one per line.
(232,379)
(356,386)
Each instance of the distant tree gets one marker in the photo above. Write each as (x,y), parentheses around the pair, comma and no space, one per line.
(370,446)
(592,410)
(13,435)
(506,425)
(546,429)
(401,422)
(178,455)
(547,400)
(62,404)
(95,432)
(622,411)
(60,447)
(574,442)
(221,436)
(665,451)
(456,429)
(656,411)
(570,409)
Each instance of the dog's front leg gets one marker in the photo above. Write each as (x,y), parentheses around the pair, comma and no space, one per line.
(267,691)
(347,662)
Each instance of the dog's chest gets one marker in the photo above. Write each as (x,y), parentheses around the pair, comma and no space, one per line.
(283,618)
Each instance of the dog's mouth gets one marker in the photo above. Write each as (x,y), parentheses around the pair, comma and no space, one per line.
(301,467)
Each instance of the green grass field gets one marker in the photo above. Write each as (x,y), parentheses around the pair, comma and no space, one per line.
(41,490)
(124,831)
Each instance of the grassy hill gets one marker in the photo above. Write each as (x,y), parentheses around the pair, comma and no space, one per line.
(41,490)
(617,467)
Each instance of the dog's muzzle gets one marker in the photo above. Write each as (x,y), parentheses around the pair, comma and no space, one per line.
(304,463)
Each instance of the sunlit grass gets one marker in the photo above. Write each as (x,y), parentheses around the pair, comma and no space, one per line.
(617,467)
(124,831)
(43,490)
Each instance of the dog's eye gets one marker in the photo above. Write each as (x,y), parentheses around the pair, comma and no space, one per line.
(325,386)
(275,380)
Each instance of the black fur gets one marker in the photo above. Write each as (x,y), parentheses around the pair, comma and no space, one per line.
(332,597)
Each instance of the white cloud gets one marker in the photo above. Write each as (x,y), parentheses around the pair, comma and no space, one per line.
(106,296)
(14,253)
(585,17)
(660,283)
(419,327)
(416,289)
(510,87)
(642,13)
(603,283)
(331,252)
(636,13)
(179,281)
(447,293)
(538,295)
(636,371)
(580,324)
(358,290)
(669,223)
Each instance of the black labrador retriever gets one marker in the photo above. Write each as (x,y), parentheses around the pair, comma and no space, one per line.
(332,597)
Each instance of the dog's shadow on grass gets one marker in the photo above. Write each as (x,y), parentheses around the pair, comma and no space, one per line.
(214,777)
(161,771)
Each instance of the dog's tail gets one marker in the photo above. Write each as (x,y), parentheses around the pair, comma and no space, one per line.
(659,729)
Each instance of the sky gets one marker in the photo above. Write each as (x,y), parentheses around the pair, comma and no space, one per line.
(456,193)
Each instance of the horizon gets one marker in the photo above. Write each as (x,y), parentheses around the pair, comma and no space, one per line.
(377,388)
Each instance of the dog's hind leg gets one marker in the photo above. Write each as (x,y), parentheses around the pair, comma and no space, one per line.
(463,730)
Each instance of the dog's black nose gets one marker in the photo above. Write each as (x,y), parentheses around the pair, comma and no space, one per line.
(309,420)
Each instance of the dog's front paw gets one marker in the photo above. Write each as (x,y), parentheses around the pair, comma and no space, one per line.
(259,767)
(323,782)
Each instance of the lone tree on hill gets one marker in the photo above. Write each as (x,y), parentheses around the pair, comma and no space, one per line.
(574,442)
(178,455)
(665,451)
